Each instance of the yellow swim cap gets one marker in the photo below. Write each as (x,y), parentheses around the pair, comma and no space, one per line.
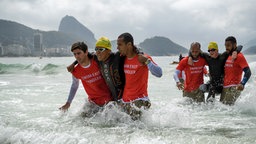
(104,42)
(213,45)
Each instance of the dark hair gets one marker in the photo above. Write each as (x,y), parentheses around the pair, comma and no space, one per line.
(82,46)
(231,39)
(127,37)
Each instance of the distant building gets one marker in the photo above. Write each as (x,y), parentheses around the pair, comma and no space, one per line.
(38,44)
(55,52)
(16,50)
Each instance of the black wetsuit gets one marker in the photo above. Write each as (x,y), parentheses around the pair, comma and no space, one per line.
(112,71)
(216,70)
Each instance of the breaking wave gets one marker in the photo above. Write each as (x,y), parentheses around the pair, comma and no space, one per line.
(31,68)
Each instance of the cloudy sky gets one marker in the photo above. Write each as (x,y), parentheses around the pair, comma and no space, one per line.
(182,21)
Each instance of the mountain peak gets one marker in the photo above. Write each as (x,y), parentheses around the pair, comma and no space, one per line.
(70,25)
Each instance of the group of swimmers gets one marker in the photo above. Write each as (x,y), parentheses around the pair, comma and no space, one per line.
(225,71)
(122,77)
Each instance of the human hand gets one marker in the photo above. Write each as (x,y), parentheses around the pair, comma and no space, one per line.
(180,86)
(190,61)
(142,58)
(65,107)
(234,55)
(70,68)
(240,87)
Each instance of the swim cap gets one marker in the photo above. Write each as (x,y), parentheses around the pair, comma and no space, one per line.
(104,42)
(213,45)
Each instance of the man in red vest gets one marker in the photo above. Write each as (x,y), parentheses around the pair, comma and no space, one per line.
(136,69)
(89,73)
(194,74)
(233,69)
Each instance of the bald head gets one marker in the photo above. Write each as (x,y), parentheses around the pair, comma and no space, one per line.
(195,49)
(195,44)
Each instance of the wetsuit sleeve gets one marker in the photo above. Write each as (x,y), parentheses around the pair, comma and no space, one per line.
(155,69)
(176,75)
(73,89)
(139,51)
(247,75)
(224,55)
(75,62)
(239,48)
(202,54)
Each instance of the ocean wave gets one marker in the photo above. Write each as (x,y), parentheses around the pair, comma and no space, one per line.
(31,68)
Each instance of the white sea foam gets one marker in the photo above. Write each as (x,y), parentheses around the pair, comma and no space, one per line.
(29,112)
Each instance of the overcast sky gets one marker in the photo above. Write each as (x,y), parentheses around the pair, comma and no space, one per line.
(182,21)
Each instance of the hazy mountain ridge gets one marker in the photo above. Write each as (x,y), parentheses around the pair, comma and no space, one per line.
(15,33)
(159,46)
(71,30)
(250,51)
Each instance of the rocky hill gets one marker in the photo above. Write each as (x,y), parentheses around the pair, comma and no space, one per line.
(251,50)
(250,43)
(72,27)
(161,46)
(12,32)
(15,33)
(70,31)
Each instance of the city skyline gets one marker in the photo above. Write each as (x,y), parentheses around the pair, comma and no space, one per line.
(182,21)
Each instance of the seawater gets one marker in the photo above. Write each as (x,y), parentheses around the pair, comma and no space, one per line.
(32,90)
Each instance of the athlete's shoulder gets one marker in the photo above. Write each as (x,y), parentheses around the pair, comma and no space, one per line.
(202,59)
(241,58)
(95,61)
(185,58)
(241,55)
(184,61)
(94,57)
(76,69)
(77,66)
(148,56)
(204,55)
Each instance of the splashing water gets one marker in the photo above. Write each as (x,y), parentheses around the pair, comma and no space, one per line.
(32,90)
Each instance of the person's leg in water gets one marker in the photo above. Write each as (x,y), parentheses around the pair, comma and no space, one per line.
(90,109)
(205,87)
(214,88)
(134,108)
(211,94)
